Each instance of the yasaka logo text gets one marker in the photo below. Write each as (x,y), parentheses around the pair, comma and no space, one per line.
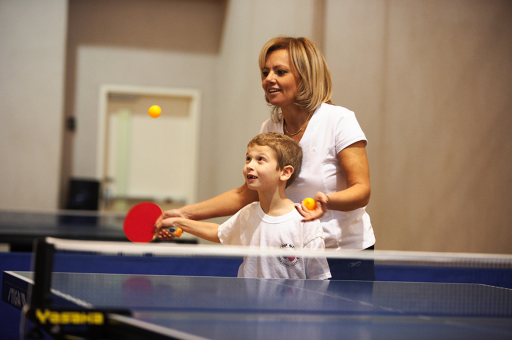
(69,317)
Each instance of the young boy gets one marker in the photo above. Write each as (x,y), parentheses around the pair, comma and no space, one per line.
(273,161)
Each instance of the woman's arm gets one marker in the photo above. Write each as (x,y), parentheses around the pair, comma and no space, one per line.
(225,204)
(354,164)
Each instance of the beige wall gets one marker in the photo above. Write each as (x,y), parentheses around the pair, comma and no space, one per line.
(159,44)
(429,82)
(32,51)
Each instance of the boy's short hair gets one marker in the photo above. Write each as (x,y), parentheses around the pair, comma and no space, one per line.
(287,150)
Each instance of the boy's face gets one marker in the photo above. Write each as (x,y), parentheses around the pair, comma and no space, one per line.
(261,169)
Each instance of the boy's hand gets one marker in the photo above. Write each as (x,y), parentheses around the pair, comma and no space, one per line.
(166,220)
(321,201)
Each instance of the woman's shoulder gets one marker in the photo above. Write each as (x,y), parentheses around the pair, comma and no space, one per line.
(333,116)
(343,122)
(335,111)
(271,126)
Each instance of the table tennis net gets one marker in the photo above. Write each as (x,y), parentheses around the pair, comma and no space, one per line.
(380,257)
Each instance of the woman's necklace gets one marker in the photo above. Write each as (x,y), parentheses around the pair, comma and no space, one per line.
(302,127)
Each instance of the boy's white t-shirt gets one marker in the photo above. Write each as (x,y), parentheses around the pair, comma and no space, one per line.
(330,130)
(252,227)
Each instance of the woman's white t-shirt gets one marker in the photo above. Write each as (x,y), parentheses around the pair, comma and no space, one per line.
(330,130)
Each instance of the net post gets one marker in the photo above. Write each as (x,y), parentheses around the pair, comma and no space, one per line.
(42,267)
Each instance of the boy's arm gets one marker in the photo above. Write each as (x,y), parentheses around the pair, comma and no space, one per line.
(204,230)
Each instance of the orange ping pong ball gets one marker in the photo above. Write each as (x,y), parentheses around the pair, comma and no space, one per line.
(154,111)
(309,203)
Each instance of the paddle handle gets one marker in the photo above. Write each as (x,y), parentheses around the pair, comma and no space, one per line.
(176,232)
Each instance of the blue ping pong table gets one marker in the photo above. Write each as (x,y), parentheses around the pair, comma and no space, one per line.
(193,307)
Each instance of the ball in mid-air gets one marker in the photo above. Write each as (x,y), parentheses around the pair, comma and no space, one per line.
(154,111)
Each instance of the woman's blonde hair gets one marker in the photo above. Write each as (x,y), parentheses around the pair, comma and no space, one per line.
(315,87)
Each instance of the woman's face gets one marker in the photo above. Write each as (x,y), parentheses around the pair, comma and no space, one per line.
(279,80)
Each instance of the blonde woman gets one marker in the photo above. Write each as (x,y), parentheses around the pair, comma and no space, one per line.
(297,85)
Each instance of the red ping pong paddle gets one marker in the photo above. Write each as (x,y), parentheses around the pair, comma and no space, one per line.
(139,223)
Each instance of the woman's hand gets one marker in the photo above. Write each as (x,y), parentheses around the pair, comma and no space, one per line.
(321,202)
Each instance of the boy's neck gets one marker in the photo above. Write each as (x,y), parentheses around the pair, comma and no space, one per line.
(275,203)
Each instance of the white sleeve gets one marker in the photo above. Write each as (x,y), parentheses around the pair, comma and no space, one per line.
(263,127)
(317,268)
(270,126)
(348,130)
(229,231)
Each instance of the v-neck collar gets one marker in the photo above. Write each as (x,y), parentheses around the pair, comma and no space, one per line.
(312,120)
